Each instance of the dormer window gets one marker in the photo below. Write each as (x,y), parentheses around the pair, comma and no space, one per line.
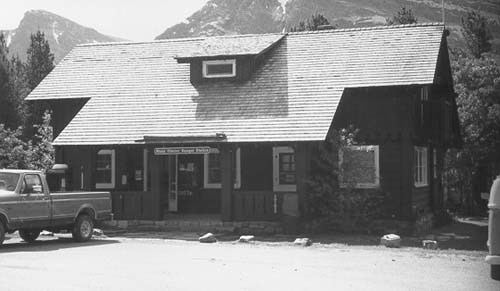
(219,68)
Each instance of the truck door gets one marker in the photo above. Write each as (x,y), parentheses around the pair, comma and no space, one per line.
(34,202)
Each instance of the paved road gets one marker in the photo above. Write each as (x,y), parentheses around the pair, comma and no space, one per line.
(159,264)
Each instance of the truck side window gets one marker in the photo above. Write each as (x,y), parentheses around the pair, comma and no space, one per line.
(32,184)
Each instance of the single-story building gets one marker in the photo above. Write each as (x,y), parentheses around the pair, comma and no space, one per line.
(225,125)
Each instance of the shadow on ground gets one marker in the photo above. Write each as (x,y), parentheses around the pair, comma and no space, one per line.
(54,244)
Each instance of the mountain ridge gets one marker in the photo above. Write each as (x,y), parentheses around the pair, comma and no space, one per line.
(226,17)
(61,33)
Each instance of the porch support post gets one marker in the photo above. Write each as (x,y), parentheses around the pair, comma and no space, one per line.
(227,182)
(156,172)
(302,169)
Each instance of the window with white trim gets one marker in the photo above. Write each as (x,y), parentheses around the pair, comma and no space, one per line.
(105,169)
(284,175)
(212,174)
(359,166)
(219,68)
(420,167)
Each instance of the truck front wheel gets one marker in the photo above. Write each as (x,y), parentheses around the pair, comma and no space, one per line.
(2,232)
(83,228)
(29,235)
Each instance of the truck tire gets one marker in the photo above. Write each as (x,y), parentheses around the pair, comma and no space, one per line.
(29,235)
(83,228)
(2,232)
(495,272)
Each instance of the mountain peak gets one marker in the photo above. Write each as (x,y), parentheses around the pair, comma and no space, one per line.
(61,33)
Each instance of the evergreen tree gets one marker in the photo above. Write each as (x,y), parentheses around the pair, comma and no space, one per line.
(476,33)
(8,102)
(314,23)
(40,62)
(403,16)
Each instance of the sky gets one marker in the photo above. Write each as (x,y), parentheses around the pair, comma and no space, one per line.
(138,20)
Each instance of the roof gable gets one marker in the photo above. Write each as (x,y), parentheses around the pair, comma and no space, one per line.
(139,89)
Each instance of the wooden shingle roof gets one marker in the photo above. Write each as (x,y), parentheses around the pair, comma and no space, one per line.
(139,89)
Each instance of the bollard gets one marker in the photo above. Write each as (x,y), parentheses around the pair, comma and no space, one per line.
(494,230)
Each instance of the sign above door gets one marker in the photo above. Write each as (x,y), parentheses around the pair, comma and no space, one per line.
(185,151)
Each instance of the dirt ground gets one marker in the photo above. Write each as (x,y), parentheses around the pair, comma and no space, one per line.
(173,261)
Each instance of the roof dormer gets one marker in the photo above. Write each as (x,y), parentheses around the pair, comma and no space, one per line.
(227,58)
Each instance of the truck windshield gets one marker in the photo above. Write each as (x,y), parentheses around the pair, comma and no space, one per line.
(8,182)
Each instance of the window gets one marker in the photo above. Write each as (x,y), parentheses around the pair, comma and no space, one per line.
(105,169)
(359,166)
(420,168)
(284,176)
(212,175)
(32,184)
(219,68)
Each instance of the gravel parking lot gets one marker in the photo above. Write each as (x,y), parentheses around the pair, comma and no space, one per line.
(125,263)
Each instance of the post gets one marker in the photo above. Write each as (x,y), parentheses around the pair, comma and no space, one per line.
(156,189)
(301,159)
(227,182)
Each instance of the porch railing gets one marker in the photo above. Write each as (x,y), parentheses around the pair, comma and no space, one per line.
(256,205)
(132,205)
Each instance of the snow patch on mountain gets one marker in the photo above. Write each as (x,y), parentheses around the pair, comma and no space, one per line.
(283,5)
(56,34)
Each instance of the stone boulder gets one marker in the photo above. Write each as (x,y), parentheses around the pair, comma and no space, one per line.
(98,232)
(304,241)
(246,238)
(429,244)
(391,240)
(208,238)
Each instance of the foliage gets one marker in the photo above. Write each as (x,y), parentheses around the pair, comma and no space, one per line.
(314,23)
(403,16)
(476,33)
(329,205)
(13,149)
(10,104)
(16,153)
(40,62)
(477,83)
(21,148)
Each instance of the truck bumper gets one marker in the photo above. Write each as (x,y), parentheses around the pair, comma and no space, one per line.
(493,260)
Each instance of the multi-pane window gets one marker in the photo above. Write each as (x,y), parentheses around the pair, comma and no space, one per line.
(284,173)
(420,166)
(213,172)
(359,166)
(105,169)
(219,68)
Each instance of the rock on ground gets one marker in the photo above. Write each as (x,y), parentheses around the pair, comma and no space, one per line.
(303,241)
(208,238)
(391,240)
(246,238)
(429,244)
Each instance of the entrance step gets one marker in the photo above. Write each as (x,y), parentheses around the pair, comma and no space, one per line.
(201,226)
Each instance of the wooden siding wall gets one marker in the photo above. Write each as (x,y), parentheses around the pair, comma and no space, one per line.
(256,205)
(257,167)
(132,205)
(63,111)
(391,178)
